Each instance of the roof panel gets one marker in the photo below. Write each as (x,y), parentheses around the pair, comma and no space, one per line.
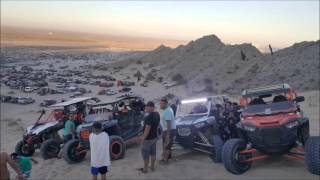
(267,89)
(72,101)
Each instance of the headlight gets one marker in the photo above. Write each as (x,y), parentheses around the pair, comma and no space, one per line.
(249,128)
(184,131)
(199,125)
(292,124)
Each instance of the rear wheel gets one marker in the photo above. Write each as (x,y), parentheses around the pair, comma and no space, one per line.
(50,149)
(24,149)
(72,152)
(117,147)
(312,157)
(217,148)
(232,159)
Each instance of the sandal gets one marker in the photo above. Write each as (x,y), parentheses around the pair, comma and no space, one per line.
(142,170)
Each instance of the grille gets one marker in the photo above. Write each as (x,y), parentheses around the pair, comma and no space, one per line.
(271,136)
(184,131)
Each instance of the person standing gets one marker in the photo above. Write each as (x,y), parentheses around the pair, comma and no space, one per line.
(150,137)
(99,150)
(4,172)
(168,126)
(24,164)
(69,130)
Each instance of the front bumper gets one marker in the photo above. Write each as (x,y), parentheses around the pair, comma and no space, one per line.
(185,136)
(273,140)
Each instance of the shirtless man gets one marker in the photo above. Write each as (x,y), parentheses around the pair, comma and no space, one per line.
(4,172)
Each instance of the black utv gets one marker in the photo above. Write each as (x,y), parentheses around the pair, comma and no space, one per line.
(197,128)
(122,120)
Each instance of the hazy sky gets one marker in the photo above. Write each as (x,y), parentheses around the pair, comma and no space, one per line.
(259,22)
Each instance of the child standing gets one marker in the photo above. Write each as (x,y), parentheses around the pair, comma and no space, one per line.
(99,149)
(24,164)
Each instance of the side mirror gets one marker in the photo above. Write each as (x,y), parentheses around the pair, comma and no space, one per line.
(299,99)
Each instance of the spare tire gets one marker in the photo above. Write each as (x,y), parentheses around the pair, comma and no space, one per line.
(50,149)
(312,157)
(70,152)
(24,149)
(117,147)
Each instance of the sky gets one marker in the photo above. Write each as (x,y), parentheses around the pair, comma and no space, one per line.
(280,23)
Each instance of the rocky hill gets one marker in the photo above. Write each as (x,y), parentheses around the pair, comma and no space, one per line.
(298,65)
(207,65)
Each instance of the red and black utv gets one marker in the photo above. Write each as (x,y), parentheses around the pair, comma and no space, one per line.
(272,124)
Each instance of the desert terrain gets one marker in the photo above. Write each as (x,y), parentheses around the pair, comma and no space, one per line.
(203,67)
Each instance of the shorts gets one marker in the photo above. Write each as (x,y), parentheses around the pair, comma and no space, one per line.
(168,145)
(26,174)
(149,148)
(96,170)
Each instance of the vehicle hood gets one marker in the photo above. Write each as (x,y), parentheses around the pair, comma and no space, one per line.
(272,120)
(37,129)
(189,120)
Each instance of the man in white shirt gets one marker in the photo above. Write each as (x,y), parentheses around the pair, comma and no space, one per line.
(168,126)
(99,150)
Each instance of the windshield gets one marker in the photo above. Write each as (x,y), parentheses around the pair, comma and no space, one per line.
(193,108)
(50,116)
(269,108)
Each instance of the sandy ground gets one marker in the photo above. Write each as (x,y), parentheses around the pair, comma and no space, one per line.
(187,164)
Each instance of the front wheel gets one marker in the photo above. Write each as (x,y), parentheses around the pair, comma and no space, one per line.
(117,147)
(233,161)
(312,157)
(50,149)
(24,149)
(72,152)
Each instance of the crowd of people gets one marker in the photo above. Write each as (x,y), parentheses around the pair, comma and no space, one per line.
(227,116)
(154,128)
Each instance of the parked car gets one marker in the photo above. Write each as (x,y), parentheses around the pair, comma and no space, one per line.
(48,102)
(111,92)
(60,85)
(106,84)
(25,100)
(102,92)
(28,89)
(6,98)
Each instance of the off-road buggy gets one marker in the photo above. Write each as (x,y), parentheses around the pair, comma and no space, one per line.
(272,124)
(44,133)
(122,126)
(197,128)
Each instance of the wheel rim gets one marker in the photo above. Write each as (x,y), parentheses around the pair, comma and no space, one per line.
(74,151)
(239,160)
(53,150)
(116,148)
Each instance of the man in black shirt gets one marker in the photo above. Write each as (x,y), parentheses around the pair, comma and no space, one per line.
(150,137)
